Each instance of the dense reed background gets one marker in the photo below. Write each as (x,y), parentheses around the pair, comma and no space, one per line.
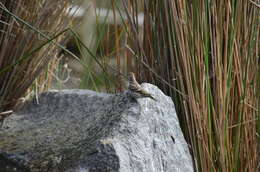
(30,32)
(205,55)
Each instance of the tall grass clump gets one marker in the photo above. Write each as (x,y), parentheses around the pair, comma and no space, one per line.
(30,33)
(205,55)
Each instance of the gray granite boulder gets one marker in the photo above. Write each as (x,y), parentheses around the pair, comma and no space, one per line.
(86,131)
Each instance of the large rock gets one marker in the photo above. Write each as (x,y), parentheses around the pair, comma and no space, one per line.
(86,131)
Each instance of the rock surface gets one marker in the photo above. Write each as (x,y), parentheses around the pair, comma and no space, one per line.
(86,131)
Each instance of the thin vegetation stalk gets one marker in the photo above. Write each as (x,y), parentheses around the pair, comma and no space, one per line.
(209,52)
